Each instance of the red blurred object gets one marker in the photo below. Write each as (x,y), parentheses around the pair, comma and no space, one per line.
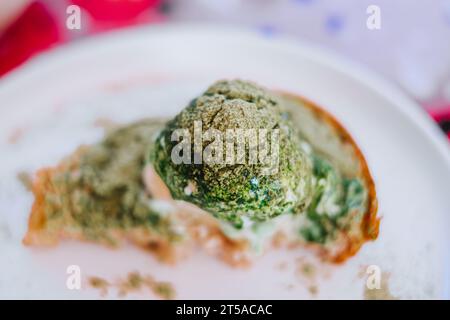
(442,117)
(34,31)
(111,14)
(116,10)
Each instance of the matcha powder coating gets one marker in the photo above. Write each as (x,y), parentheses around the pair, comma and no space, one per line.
(231,191)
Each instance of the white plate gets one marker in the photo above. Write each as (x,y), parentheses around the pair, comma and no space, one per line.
(155,71)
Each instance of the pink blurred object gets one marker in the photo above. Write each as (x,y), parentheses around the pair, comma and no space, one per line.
(119,10)
(35,30)
(107,14)
(38,29)
(442,116)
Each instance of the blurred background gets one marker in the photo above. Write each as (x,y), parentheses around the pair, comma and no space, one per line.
(411,47)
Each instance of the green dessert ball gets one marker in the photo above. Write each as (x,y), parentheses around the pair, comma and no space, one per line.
(233,153)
